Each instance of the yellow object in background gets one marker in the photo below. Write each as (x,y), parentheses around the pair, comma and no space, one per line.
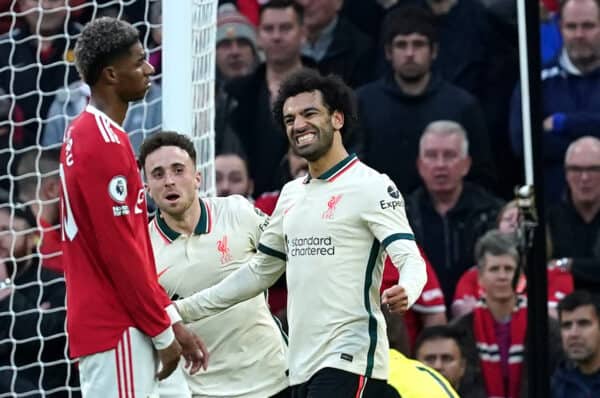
(412,379)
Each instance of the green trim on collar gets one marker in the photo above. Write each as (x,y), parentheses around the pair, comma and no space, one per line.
(203,226)
(335,170)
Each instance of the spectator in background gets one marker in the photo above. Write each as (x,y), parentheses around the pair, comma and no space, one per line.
(335,44)
(441,348)
(143,117)
(575,222)
(280,35)
(231,175)
(468,291)
(33,357)
(395,109)
(571,93)
(39,188)
(495,333)
(36,60)
(236,56)
(448,215)
(579,316)
(236,53)
(480,55)
(550,37)
(12,137)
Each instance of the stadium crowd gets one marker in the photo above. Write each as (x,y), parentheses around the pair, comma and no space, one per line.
(438,110)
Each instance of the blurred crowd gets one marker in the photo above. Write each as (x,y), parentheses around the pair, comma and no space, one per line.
(439,111)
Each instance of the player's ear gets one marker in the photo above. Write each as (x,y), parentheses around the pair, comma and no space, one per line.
(198,179)
(337,120)
(109,74)
(147,189)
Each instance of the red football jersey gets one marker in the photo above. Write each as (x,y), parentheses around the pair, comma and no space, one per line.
(109,263)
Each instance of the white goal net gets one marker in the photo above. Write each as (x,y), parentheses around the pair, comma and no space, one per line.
(40,93)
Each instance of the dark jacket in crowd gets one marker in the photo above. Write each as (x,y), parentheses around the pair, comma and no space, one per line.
(33,83)
(449,240)
(252,120)
(572,237)
(392,123)
(350,55)
(568,382)
(464,325)
(38,328)
(576,99)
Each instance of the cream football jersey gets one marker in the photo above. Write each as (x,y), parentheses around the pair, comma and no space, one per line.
(247,347)
(332,230)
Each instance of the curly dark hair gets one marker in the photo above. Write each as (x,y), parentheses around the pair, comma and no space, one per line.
(101,42)
(337,96)
(165,138)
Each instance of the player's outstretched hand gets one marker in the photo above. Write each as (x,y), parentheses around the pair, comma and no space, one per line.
(169,359)
(396,299)
(194,350)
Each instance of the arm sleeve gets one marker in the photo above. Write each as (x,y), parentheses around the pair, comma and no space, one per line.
(263,269)
(385,216)
(122,241)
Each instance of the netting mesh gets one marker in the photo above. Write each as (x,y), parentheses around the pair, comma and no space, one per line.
(40,93)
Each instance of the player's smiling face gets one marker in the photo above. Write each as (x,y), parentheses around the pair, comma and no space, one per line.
(309,125)
(172,179)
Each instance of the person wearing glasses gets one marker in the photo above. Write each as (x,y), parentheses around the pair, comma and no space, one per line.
(575,222)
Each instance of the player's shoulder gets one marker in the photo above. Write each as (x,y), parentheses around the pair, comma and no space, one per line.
(95,129)
(232,206)
(293,187)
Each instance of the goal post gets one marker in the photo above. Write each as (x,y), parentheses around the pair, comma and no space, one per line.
(189,34)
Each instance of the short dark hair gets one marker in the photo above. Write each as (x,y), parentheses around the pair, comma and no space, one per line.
(166,138)
(337,96)
(101,42)
(408,20)
(439,332)
(283,4)
(578,299)
(496,243)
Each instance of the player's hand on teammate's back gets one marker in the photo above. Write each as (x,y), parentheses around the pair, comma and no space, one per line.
(396,299)
(169,359)
(194,350)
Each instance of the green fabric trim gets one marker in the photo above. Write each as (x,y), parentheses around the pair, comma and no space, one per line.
(332,171)
(271,252)
(394,237)
(372,321)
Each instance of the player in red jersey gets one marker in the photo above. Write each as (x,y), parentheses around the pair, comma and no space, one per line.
(118,316)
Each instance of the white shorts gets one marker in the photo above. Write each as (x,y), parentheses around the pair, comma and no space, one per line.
(175,386)
(128,371)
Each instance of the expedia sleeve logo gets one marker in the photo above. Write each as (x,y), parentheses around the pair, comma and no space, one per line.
(393,203)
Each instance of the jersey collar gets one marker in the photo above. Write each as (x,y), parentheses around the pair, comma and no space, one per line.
(203,227)
(335,171)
